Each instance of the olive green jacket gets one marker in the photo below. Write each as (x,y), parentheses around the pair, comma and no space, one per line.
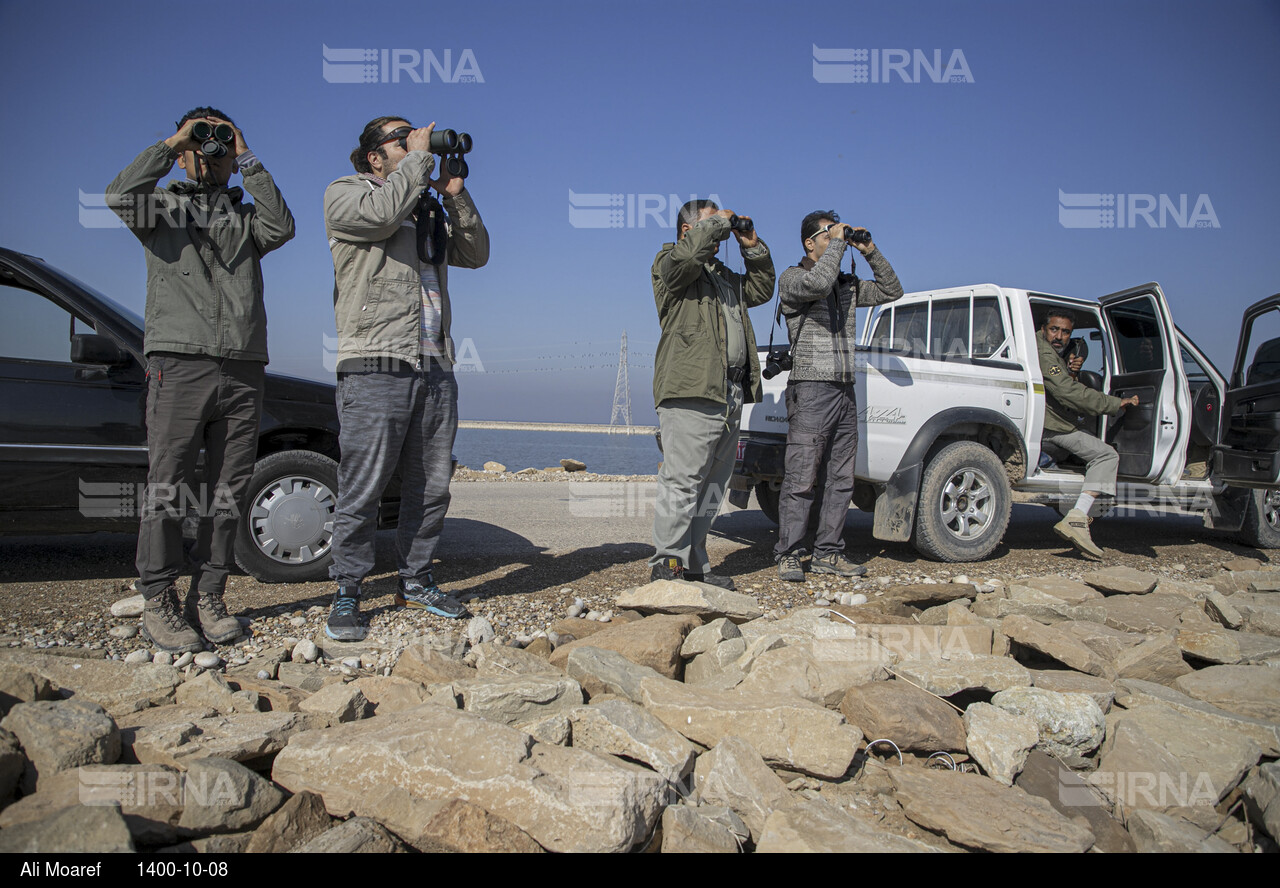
(204,246)
(1066,397)
(692,357)
(377,283)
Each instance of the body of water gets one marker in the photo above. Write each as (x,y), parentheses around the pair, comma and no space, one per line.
(604,453)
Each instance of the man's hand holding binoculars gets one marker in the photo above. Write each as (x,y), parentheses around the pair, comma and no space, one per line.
(859,237)
(742,228)
(200,132)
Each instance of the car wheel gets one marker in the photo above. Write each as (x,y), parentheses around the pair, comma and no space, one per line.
(964,504)
(767,497)
(286,533)
(1261,527)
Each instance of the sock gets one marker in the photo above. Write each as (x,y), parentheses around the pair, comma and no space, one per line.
(1085,502)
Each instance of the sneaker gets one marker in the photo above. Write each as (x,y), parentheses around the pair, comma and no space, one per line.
(837,564)
(210,613)
(1075,530)
(711,580)
(344,622)
(789,569)
(163,626)
(669,569)
(427,596)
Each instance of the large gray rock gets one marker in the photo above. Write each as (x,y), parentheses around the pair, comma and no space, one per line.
(514,699)
(1106,641)
(1223,611)
(1260,612)
(803,624)
(566,799)
(1203,639)
(1065,681)
(77,830)
(601,671)
(1251,691)
(224,796)
(117,688)
(338,703)
(930,642)
(501,660)
(1148,614)
(1262,797)
(948,677)
(978,812)
(1158,659)
(654,642)
(1061,646)
(734,775)
(462,827)
(60,734)
(149,797)
(1121,581)
(685,831)
(1155,833)
(787,731)
(707,601)
(1131,694)
(999,741)
(389,694)
(251,738)
(1029,602)
(816,826)
(704,638)
(1207,757)
(915,720)
(718,669)
(210,690)
(306,677)
(1072,797)
(820,671)
(1069,724)
(620,727)
(426,665)
(21,685)
(359,835)
(1063,589)
(296,822)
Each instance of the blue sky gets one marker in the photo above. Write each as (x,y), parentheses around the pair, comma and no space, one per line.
(958,181)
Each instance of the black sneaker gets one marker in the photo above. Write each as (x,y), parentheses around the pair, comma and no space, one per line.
(344,622)
(669,569)
(711,580)
(428,597)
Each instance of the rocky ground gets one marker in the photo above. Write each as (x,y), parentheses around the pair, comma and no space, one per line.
(1030,702)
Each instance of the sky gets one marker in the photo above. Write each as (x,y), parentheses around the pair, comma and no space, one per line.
(977,141)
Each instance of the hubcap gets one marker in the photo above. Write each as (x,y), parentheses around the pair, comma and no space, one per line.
(966,504)
(1271,509)
(292,520)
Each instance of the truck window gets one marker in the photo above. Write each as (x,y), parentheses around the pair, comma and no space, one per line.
(988,327)
(911,328)
(884,324)
(1137,336)
(950,328)
(1262,349)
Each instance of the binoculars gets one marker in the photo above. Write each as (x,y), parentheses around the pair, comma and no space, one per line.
(213,137)
(451,146)
(857,237)
(741,224)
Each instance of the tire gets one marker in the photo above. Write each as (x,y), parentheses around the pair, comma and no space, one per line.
(964,504)
(286,532)
(767,497)
(1261,527)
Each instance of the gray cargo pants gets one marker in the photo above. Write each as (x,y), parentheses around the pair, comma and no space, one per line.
(196,401)
(699,448)
(403,417)
(822,443)
(1101,460)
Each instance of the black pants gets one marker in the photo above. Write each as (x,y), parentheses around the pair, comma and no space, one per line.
(822,442)
(194,402)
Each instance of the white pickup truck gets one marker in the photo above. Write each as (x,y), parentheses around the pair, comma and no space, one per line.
(952,409)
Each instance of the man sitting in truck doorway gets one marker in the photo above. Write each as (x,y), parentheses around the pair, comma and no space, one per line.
(1065,398)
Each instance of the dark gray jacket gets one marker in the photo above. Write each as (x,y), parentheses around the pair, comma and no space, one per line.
(204,246)
(818,302)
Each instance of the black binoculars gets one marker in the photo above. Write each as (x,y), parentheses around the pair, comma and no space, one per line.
(859,236)
(741,224)
(451,146)
(213,137)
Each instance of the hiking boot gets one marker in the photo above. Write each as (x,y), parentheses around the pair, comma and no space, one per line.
(428,597)
(710,579)
(344,622)
(163,626)
(789,569)
(837,564)
(669,569)
(1075,530)
(208,612)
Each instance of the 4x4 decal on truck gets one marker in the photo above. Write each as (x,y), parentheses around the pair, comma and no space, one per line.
(883,415)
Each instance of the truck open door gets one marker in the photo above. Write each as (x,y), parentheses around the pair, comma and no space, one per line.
(1246,455)
(1151,439)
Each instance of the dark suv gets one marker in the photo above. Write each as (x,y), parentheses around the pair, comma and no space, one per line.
(73,440)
